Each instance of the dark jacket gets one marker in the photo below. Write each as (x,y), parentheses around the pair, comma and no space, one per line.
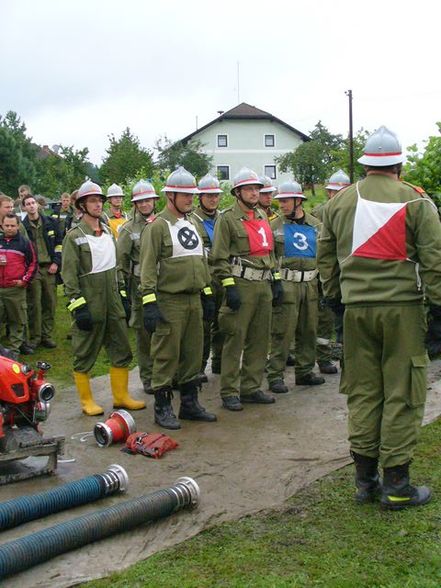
(52,237)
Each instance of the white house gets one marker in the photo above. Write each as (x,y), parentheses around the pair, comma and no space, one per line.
(247,136)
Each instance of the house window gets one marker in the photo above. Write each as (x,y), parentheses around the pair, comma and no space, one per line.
(222,140)
(270,171)
(223,172)
(270,141)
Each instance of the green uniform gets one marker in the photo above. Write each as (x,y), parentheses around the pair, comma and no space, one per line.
(174,268)
(212,336)
(376,261)
(247,330)
(297,316)
(42,294)
(127,249)
(89,271)
(326,319)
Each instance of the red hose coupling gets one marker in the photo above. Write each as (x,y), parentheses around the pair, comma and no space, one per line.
(115,429)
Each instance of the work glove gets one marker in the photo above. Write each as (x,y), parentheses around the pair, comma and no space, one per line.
(208,305)
(232,297)
(83,318)
(277,288)
(126,304)
(151,313)
(433,337)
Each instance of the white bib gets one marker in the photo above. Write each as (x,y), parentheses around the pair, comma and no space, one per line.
(103,253)
(185,239)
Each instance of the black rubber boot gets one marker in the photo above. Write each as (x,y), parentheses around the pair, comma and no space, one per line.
(309,380)
(327,367)
(164,415)
(367,478)
(398,493)
(278,387)
(190,408)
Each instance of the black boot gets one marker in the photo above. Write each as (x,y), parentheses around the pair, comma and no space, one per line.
(367,479)
(398,493)
(190,409)
(164,415)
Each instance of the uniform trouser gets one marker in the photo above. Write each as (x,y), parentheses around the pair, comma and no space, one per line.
(110,333)
(325,331)
(42,300)
(213,338)
(176,345)
(247,336)
(13,311)
(145,362)
(295,318)
(384,377)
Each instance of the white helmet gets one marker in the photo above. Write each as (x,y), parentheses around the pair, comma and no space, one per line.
(209,185)
(142,190)
(382,148)
(182,181)
(338,180)
(114,190)
(290,189)
(245,177)
(267,185)
(88,188)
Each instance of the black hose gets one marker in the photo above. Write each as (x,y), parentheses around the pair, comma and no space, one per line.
(41,546)
(27,508)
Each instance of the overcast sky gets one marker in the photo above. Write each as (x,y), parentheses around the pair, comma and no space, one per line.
(78,70)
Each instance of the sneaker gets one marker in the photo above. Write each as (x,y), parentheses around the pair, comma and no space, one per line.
(327,367)
(258,397)
(232,403)
(278,387)
(309,380)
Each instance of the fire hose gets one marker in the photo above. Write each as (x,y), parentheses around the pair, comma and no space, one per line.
(28,508)
(41,546)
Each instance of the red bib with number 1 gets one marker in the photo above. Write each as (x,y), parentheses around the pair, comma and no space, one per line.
(260,237)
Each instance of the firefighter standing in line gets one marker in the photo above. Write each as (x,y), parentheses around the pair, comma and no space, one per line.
(127,249)
(243,261)
(62,212)
(96,302)
(295,234)
(204,218)
(175,285)
(266,198)
(379,255)
(326,318)
(42,295)
(115,216)
(18,266)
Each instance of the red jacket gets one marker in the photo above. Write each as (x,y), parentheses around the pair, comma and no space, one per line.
(21,261)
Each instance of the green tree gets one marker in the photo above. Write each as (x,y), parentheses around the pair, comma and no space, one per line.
(18,155)
(62,172)
(125,157)
(313,161)
(190,155)
(340,156)
(424,169)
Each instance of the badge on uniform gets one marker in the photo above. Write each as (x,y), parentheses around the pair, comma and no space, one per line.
(300,240)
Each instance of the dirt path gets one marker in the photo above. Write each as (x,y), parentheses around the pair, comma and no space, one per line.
(245,462)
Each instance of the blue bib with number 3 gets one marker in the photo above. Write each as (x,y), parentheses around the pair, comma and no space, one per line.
(300,240)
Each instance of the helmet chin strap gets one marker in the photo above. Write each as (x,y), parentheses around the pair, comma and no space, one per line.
(209,212)
(174,204)
(292,214)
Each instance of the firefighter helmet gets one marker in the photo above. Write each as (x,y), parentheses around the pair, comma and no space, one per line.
(181,181)
(88,188)
(114,190)
(290,189)
(209,185)
(382,148)
(267,185)
(245,177)
(143,190)
(338,180)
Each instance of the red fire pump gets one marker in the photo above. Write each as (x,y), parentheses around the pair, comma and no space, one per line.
(25,397)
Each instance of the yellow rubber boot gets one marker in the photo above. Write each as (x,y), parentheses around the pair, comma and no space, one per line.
(119,382)
(90,407)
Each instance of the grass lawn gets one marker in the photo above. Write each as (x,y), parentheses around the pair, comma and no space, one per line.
(319,538)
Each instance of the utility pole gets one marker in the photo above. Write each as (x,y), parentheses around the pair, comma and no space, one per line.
(351,138)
